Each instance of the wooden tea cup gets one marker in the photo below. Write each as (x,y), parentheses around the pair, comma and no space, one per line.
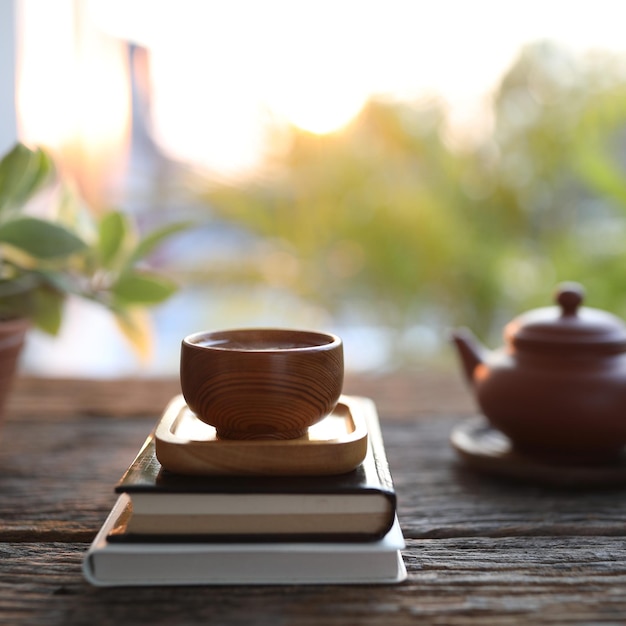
(261,383)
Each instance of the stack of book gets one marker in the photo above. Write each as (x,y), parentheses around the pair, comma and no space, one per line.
(168,528)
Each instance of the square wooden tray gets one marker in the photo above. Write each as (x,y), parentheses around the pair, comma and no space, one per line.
(337,444)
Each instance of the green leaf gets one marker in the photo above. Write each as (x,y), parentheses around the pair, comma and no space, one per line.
(60,281)
(74,213)
(17,296)
(48,310)
(22,173)
(152,240)
(112,232)
(14,167)
(142,288)
(136,327)
(40,238)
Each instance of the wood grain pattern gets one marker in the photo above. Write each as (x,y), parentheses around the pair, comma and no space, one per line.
(480,550)
(566,580)
(335,445)
(261,383)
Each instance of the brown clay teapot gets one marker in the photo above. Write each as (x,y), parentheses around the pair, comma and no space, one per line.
(557,388)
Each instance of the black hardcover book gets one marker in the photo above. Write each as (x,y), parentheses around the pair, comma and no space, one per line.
(358,505)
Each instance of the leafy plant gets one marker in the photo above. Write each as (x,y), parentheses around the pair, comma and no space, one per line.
(43,260)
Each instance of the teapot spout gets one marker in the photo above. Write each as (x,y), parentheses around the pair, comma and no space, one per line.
(471,352)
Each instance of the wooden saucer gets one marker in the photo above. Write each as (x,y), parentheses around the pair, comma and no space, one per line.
(485,448)
(336,445)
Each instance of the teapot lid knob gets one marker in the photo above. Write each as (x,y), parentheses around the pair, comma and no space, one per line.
(568,325)
(569,297)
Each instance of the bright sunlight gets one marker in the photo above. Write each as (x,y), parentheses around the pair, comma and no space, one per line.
(225,74)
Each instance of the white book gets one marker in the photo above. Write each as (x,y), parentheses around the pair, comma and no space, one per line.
(222,563)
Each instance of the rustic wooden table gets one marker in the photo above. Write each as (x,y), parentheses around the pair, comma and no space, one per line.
(479,550)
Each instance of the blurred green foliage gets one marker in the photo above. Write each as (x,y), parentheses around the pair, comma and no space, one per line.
(398,224)
(70,252)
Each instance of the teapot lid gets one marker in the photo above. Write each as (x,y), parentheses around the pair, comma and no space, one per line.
(568,325)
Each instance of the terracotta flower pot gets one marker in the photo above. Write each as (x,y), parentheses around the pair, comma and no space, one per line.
(12,333)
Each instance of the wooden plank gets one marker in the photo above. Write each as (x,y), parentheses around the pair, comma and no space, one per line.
(539,580)
(480,550)
(52,398)
(396,395)
(439,497)
(63,472)
(565,580)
